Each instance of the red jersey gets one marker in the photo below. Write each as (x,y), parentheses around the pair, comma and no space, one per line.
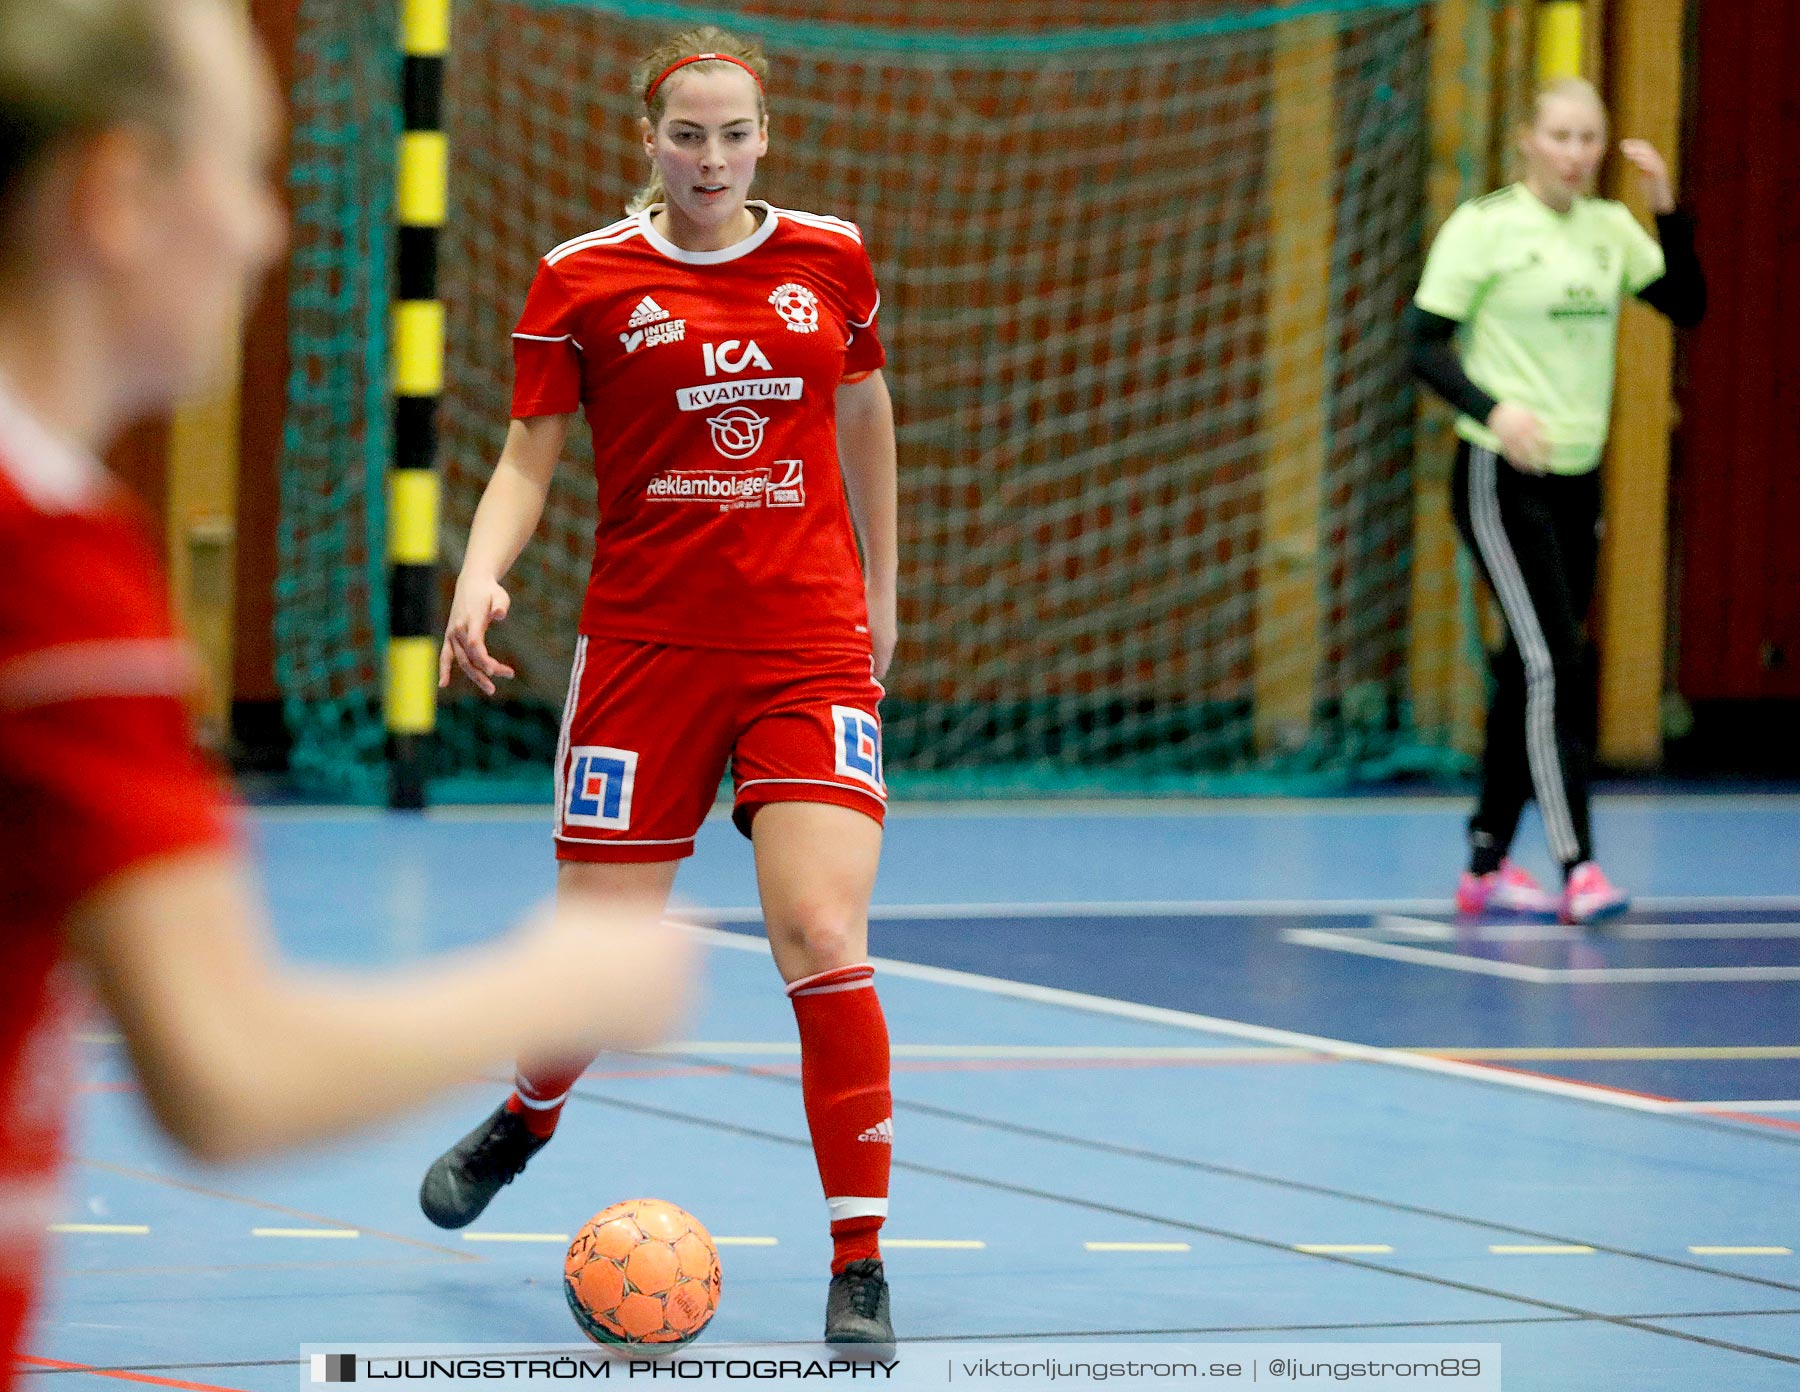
(709,380)
(97,774)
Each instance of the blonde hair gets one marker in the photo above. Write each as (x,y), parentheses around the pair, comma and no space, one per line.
(75,68)
(1572,88)
(706,38)
(1568,88)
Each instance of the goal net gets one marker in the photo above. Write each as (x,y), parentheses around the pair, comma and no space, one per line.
(1142,287)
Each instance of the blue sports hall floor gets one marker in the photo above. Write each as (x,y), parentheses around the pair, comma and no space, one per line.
(1224,1072)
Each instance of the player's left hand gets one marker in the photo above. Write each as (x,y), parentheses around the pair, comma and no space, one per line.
(884,627)
(1653,174)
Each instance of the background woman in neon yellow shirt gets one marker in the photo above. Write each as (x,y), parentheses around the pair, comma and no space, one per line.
(1515,324)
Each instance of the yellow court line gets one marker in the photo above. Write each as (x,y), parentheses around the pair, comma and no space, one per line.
(305,1232)
(1509,1250)
(515,1237)
(1601,1054)
(747,1242)
(1137,1246)
(121,1229)
(1742,1251)
(945,1244)
(1371,1248)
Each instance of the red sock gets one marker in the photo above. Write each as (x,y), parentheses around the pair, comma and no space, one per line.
(849,1103)
(540,1091)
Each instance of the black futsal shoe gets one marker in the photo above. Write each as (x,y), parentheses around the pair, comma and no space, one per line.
(464,1179)
(856,1310)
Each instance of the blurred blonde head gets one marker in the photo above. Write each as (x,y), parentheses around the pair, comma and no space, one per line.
(135,202)
(1562,140)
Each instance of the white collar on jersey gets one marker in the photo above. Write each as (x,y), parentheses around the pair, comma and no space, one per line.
(54,474)
(710,258)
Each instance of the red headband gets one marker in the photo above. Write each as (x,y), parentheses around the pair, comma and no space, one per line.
(679,63)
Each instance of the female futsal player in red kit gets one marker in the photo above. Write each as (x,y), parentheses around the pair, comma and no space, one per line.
(725,354)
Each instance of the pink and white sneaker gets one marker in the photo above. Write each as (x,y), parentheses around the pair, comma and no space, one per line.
(1589,896)
(1510,889)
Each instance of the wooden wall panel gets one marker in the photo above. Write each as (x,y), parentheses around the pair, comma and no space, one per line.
(1737,493)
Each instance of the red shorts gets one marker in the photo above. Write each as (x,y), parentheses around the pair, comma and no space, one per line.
(648,731)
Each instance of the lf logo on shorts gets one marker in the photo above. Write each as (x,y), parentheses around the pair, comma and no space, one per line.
(858,746)
(600,782)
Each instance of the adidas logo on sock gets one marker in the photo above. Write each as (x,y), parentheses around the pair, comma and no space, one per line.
(648,311)
(881,1132)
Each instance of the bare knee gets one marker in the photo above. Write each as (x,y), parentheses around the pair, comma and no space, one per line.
(819,936)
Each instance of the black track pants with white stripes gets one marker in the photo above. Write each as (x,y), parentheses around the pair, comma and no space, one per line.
(1536,539)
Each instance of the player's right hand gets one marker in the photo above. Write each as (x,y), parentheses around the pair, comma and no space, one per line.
(478,603)
(1522,438)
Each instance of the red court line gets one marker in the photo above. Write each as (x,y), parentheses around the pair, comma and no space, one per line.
(63,1367)
(1755,1118)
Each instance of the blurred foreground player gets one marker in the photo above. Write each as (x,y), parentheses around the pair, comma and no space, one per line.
(135,215)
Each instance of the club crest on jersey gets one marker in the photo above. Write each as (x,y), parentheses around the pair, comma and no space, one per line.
(858,742)
(737,431)
(797,306)
(600,784)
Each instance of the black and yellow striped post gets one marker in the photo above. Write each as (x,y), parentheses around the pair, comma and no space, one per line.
(411,700)
(1559,39)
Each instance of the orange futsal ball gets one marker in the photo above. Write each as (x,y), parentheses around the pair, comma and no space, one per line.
(642,1273)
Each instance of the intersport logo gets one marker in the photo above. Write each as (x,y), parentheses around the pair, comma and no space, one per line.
(654,335)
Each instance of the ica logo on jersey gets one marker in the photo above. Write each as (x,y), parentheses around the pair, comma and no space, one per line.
(732,356)
(733,430)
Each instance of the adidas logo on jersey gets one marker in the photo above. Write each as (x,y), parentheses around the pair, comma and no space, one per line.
(648,311)
(882,1133)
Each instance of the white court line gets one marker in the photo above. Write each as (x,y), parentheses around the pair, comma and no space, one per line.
(1435,930)
(1769,1105)
(1742,1251)
(305,1232)
(930,1244)
(1347,1248)
(1700,932)
(561,1237)
(1332,940)
(1513,1249)
(1226,908)
(105,1229)
(1237,1029)
(746,1242)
